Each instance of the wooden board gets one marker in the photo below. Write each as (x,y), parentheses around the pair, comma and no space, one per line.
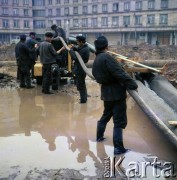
(174,123)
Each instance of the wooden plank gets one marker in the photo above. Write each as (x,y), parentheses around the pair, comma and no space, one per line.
(142,70)
(174,123)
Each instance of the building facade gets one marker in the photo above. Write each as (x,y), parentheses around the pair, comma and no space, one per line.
(122,21)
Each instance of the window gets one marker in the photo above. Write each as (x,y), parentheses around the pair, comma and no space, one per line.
(16,11)
(26,2)
(50,22)
(138,20)
(49,12)
(115,7)
(4,1)
(58,12)
(66,11)
(38,2)
(127,6)
(26,12)
(126,20)
(151,19)
(104,21)
(16,23)
(75,1)
(57,1)
(75,10)
(164,19)
(94,22)
(15,1)
(26,23)
(5,11)
(5,23)
(94,8)
(138,5)
(38,13)
(104,8)
(39,24)
(84,22)
(115,21)
(84,1)
(75,23)
(85,9)
(164,3)
(66,1)
(58,22)
(49,2)
(151,4)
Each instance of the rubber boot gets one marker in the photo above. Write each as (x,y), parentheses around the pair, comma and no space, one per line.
(118,141)
(83,96)
(100,132)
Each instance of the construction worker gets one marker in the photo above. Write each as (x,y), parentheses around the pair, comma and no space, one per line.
(31,41)
(48,57)
(80,74)
(24,61)
(114,82)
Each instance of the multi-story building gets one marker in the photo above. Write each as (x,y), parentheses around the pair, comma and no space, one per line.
(122,21)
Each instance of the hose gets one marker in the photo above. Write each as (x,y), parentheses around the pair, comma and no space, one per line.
(147,110)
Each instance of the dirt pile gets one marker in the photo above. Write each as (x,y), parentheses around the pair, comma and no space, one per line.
(171,74)
(7,53)
(147,52)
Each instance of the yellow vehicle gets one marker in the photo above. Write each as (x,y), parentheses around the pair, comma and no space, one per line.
(63,68)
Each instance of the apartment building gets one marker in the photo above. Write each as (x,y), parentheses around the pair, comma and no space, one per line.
(122,21)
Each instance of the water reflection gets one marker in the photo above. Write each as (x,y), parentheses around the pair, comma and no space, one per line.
(29,112)
(56,132)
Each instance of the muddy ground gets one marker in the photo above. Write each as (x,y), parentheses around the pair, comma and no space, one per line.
(61,119)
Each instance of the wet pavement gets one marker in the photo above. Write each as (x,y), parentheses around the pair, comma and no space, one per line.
(42,134)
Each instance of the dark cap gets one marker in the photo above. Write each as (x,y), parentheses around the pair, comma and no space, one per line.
(81,38)
(101,43)
(53,26)
(32,33)
(49,34)
(22,37)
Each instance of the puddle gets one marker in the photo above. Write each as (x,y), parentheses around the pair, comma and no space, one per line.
(42,135)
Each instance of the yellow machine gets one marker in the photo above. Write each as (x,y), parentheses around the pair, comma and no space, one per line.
(64,71)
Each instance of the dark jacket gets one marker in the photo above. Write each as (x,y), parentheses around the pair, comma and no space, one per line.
(112,77)
(31,45)
(84,53)
(22,53)
(47,53)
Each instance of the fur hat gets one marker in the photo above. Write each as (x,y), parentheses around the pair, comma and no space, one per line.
(101,43)
(81,38)
(23,37)
(49,34)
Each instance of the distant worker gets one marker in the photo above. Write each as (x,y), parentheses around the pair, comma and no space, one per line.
(23,60)
(79,73)
(33,55)
(48,57)
(114,82)
(59,31)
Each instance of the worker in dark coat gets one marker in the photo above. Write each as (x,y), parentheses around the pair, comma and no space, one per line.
(31,42)
(62,58)
(48,57)
(59,31)
(114,82)
(80,75)
(23,55)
